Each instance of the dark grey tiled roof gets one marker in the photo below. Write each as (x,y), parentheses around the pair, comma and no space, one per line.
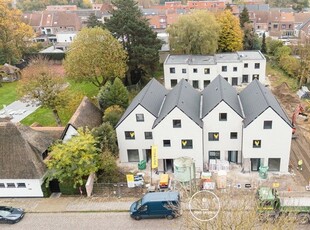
(150,97)
(255,7)
(186,98)
(255,99)
(219,90)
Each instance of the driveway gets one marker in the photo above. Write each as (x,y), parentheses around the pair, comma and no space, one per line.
(18,110)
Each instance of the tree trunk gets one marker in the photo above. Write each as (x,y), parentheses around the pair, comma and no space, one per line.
(55,113)
(128,76)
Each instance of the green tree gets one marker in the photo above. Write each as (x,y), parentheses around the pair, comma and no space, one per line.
(303,73)
(264,45)
(244,17)
(231,35)
(41,84)
(109,171)
(74,159)
(272,45)
(112,114)
(106,137)
(14,34)
(129,26)
(95,56)
(113,94)
(92,21)
(250,39)
(289,64)
(281,52)
(195,33)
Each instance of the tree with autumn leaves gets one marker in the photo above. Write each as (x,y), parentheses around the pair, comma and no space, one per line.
(14,34)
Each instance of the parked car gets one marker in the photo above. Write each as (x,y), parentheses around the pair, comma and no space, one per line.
(11,215)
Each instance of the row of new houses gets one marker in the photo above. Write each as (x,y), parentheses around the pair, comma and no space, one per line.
(249,128)
(199,70)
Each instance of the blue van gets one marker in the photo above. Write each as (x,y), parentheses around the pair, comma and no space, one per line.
(156,205)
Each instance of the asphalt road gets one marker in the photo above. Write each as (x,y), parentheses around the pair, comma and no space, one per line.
(89,221)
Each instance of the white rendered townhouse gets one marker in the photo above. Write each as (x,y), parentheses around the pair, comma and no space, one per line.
(178,128)
(134,129)
(267,131)
(199,70)
(222,122)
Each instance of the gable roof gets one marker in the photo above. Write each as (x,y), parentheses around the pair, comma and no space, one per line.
(184,97)
(255,99)
(86,115)
(150,98)
(219,90)
(20,151)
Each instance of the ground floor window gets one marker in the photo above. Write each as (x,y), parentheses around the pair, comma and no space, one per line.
(234,81)
(233,156)
(274,164)
(133,155)
(214,155)
(255,164)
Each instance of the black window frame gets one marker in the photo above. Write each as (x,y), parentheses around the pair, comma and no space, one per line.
(2,185)
(235,69)
(21,185)
(257,146)
(224,68)
(148,135)
(10,185)
(233,135)
(139,117)
(222,116)
(128,135)
(183,70)
(207,70)
(172,69)
(166,143)
(206,83)
(173,82)
(211,136)
(246,65)
(176,123)
(257,66)
(195,70)
(194,82)
(243,78)
(188,145)
(268,124)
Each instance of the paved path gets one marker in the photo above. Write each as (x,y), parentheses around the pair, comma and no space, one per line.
(18,110)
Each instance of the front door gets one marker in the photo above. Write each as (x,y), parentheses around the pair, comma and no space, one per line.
(234,81)
(168,165)
(54,186)
(255,164)
(148,155)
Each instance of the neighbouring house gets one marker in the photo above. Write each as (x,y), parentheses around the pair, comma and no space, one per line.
(86,115)
(21,160)
(237,68)
(216,123)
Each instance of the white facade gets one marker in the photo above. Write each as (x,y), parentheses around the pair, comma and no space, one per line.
(226,141)
(65,36)
(70,132)
(274,142)
(179,138)
(199,70)
(20,188)
(137,129)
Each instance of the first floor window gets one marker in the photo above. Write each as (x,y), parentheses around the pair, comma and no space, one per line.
(133,155)
(223,117)
(148,135)
(183,70)
(195,84)
(166,143)
(234,81)
(257,143)
(172,70)
(2,185)
(11,185)
(235,69)
(214,136)
(207,70)
(257,65)
(195,70)
(187,144)
(224,68)
(255,76)
(173,82)
(246,65)
(129,135)
(233,135)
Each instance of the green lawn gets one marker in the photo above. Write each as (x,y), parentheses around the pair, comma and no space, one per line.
(45,116)
(42,115)
(8,93)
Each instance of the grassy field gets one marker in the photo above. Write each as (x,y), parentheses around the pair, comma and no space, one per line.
(8,93)
(45,116)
